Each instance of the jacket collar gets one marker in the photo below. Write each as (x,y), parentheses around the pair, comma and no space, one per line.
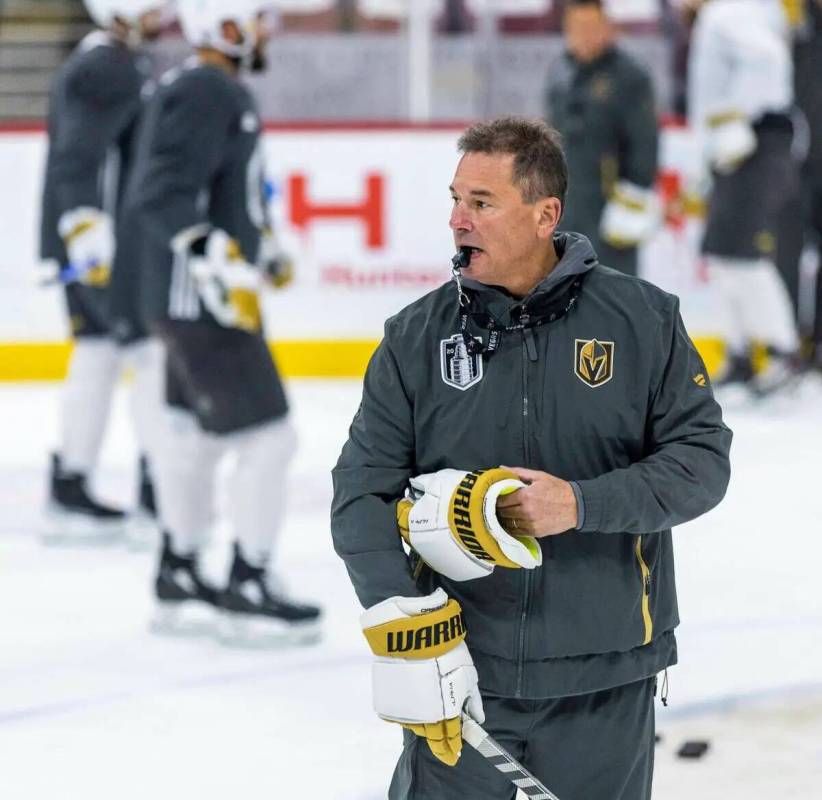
(576,257)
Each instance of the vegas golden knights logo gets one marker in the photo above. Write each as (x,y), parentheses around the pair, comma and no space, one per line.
(459,368)
(594,361)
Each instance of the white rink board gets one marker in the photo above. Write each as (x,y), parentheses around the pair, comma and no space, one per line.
(353,270)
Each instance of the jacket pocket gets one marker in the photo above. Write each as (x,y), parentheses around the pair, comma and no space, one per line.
(645,588)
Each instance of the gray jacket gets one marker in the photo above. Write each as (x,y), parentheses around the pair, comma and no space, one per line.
(630,418)
(605,113)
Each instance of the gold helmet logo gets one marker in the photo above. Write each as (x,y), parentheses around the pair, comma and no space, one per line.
(594,361)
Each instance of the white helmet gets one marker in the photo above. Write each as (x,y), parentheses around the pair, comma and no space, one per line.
(202,23)
(103,12)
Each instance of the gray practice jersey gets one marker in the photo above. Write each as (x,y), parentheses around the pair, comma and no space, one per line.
(95,102)
(199,161)
(605,113)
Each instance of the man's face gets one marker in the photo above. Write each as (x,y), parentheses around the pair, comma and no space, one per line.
(151,25)
(490,215)
(588,32)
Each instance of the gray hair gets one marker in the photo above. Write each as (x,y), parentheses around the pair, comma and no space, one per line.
(539,168)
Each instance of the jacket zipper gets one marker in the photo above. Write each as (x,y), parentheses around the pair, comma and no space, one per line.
(528,353)
(646,592)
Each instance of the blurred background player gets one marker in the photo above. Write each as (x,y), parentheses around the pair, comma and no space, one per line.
(94,106)
(799,248)
(740,101)
(208,246)
(601,101)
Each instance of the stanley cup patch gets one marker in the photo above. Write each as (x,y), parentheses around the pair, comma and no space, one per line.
(593,361)
(460,368)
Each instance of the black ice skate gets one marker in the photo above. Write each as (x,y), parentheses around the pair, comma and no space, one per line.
(782,375)
(185,603)
(143,529)
(257,614)
(73,516)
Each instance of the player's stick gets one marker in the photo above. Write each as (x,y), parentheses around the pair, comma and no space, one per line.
(499,757)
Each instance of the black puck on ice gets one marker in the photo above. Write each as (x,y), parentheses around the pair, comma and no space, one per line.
(693,748)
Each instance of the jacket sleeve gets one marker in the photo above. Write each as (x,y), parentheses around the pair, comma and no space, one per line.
(104,102)
(687,468)
(186,152)
(369,478)
(638,131)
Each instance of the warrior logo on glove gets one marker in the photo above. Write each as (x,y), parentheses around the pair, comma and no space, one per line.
(442,630)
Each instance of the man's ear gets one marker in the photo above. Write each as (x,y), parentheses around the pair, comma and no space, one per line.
(549,212)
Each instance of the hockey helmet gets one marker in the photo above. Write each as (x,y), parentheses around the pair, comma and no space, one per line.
(103,12)
(202,23)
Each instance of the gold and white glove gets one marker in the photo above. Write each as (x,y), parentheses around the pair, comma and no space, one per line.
(423,675)
(731,141)
(450,519)
(630,216)
(88,235)
(277,265)
(227,284)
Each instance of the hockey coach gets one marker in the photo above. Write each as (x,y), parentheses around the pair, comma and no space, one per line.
(528,435)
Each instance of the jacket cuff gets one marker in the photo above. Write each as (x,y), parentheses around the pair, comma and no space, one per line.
(580,505)
(593,503)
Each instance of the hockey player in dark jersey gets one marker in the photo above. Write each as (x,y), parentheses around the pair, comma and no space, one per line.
(740,100)
(199,193)
(601,100)
(95,103)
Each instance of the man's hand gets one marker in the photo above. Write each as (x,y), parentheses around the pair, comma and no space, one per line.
(88,234)
(450,518)
(544,507)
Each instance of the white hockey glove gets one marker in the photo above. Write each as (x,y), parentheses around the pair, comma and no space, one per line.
(227,284)
(450,518)
(630,216)
(276,264)
(423,675)
(88,235)
(730,142)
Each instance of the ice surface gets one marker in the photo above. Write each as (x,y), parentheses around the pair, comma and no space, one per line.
(93,706)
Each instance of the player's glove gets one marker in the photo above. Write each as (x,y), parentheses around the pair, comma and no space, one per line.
(88,235)
(730,142)
(423,674)
(630,216)
(227,284)
(450,519)
(276,264)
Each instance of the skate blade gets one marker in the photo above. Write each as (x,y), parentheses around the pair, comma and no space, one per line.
(184,618)
(251,631)
(67,529)
(142,532)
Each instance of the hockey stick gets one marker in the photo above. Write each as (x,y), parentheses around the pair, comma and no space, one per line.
(500,758)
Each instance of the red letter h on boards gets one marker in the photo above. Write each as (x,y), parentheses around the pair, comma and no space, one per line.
(368,212)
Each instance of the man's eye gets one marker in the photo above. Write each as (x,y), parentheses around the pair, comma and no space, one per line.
(480,204)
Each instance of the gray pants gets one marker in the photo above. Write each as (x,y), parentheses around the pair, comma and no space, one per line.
(597,746)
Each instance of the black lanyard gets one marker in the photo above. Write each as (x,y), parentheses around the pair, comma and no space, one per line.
(496,329)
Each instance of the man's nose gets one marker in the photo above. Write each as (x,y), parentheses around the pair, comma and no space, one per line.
(460,220)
